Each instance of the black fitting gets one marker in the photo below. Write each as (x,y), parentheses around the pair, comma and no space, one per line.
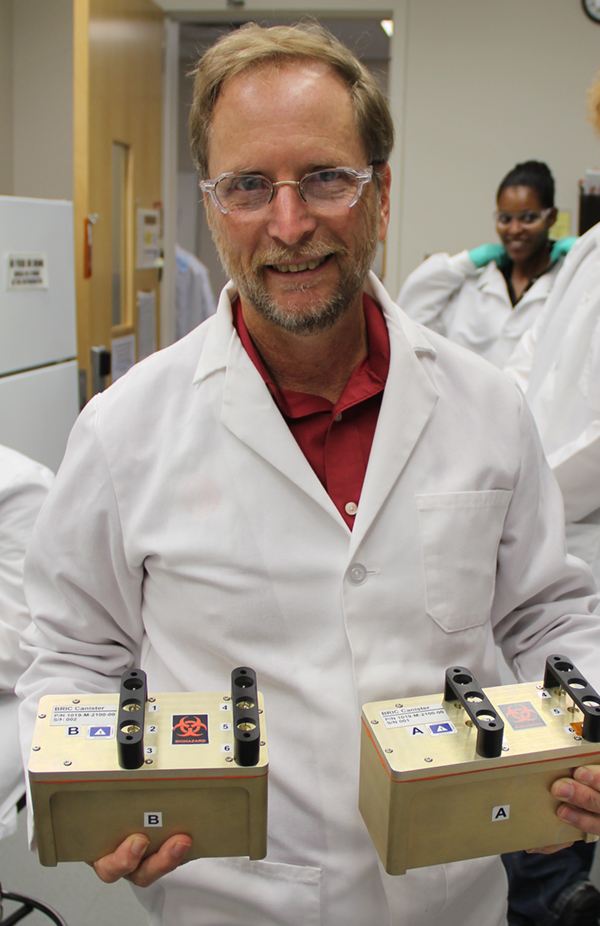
(130,722)
(561,673)
(463,687)
(246,721)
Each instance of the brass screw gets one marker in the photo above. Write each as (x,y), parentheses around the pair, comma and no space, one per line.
(75,701)
(399,705)
(374,722)
(148,761)
(262,743)
(226,698)
(151,700)
(468,723)
(228,759)
(130,728)
(41,716)
(67,762)
(389,750)
(36,748)
(246,726)
(428,759)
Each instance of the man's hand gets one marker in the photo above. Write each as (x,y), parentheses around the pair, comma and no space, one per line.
(582,796)
(583,807)
(126,861)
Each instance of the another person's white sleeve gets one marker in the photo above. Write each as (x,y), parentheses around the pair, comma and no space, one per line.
(427,293)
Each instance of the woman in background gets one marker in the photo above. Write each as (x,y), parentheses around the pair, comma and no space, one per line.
(485,299)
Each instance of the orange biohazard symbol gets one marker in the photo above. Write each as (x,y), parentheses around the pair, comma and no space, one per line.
(190,728)
(522,715)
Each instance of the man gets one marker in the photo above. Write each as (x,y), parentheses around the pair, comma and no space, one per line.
(309,484)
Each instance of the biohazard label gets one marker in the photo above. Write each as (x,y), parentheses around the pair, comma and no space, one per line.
(414,716)
(190,728)
(522,715)
(67,715)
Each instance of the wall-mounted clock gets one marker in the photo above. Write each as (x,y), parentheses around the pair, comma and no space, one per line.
(592,9)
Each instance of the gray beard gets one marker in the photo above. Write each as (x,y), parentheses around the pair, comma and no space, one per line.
(320,314)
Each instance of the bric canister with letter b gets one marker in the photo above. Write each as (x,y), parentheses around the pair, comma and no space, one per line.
(467,773)
(104,766)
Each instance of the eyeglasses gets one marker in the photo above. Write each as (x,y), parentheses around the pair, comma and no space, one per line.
(334,188)
(530,217)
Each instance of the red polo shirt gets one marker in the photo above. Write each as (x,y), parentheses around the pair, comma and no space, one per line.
(335,439)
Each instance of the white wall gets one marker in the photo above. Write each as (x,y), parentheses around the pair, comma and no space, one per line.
(42,83)
(6,99)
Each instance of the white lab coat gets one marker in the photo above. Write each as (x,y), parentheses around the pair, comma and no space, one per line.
(186,531)
(471,306)
(194,299)
(23,488)
(557,364)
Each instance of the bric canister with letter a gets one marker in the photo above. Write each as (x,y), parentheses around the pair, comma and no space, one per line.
(467,773)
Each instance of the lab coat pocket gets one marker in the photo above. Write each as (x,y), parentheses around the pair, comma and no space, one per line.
(460,535)
(230,891)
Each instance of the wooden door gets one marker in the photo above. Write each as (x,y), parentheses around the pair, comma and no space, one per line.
(117,163)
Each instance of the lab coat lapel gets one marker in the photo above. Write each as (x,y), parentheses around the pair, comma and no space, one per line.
(492,282)
(408,402)
(249,411)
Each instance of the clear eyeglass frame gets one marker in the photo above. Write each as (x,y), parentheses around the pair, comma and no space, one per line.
(527,217)
(361,177)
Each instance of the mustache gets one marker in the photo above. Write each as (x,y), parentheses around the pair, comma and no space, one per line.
(275,254)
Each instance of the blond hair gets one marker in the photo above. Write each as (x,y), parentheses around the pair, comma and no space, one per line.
(253,46)
(593,101)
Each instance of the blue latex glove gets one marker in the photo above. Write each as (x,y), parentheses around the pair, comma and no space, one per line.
(561,247)
(486,253)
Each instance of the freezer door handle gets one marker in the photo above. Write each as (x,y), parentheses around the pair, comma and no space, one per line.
(100,363)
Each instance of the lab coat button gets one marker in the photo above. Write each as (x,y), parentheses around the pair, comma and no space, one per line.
(358,574)
(351,508)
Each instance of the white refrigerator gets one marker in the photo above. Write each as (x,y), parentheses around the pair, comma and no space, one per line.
(39,394)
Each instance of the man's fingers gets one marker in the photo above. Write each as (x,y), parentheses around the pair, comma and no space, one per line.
(123,861)
(549,850)
(582,792)
(126,861)
(168,857)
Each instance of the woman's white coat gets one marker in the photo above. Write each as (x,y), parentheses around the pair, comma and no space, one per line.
(471,306)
